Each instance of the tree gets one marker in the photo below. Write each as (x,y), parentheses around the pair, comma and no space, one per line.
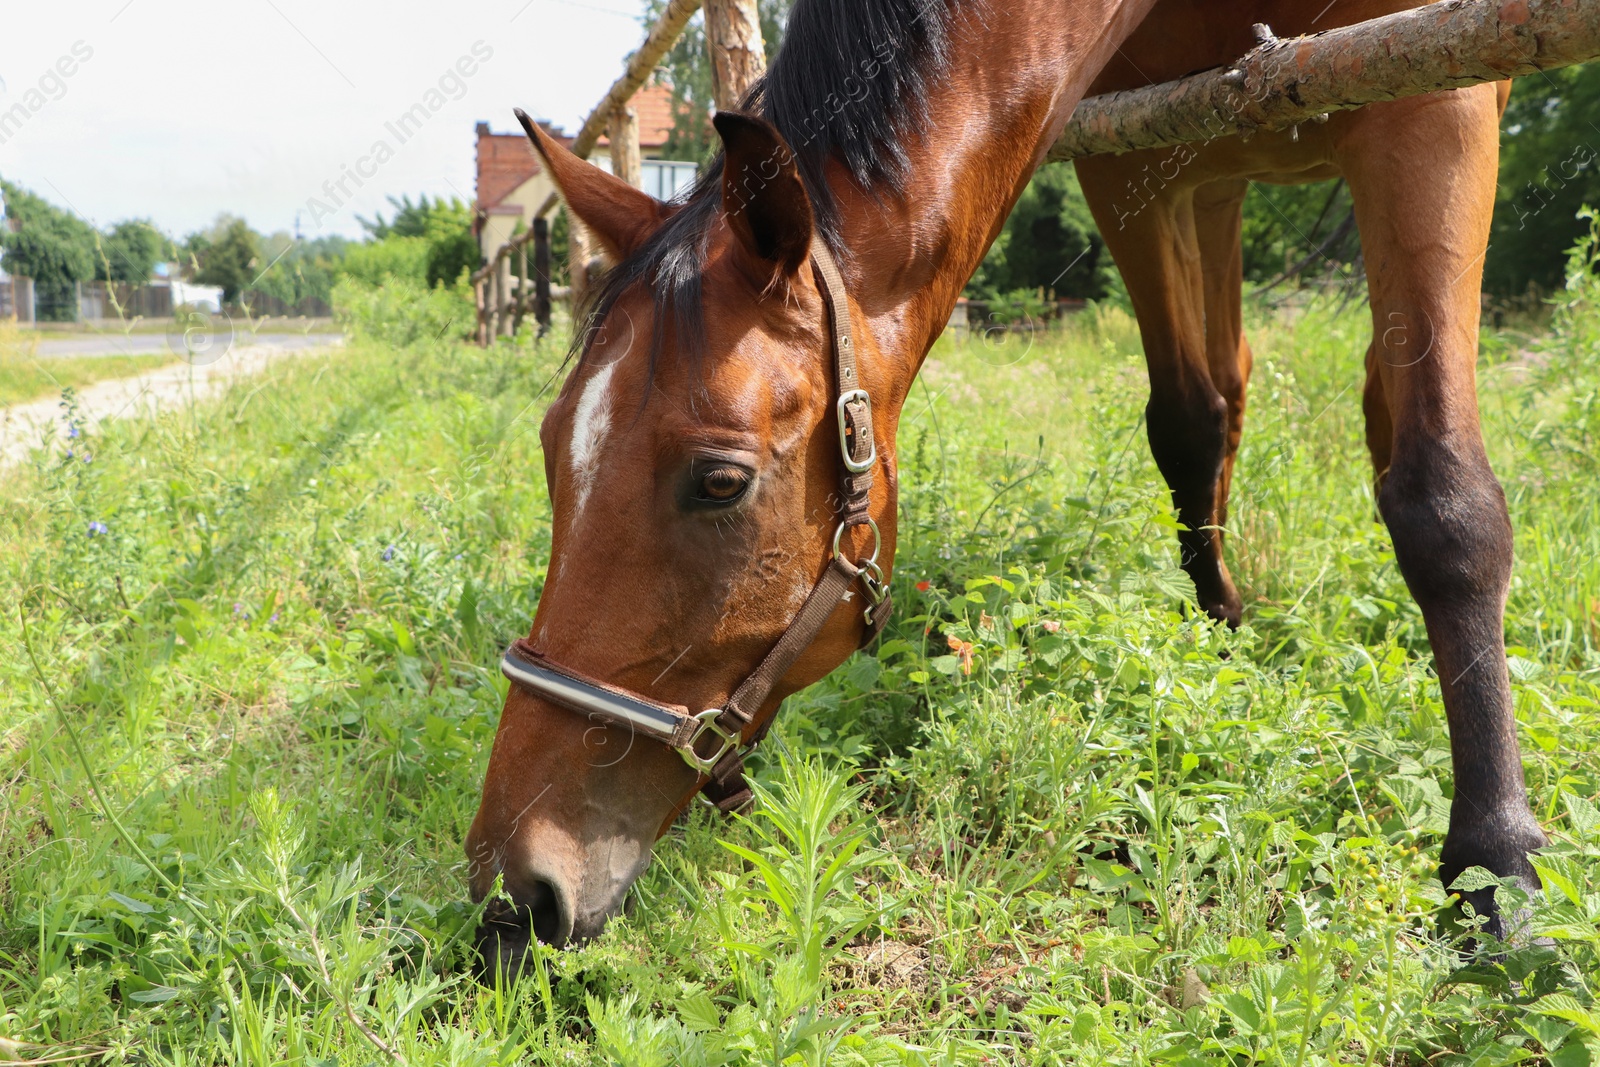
(129,252)
(410,220)
(1549,168)
(300,269)
(1049,244)
(446,225)
(53,247)
(1307,229)
(230,258)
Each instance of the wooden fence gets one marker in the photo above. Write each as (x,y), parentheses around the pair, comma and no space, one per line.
(99,301)
(1283,82)
(16,299)
(122,300)
(259,304)
(500,312)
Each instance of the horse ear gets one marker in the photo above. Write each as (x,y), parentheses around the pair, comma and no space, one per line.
(762,194)
(620,216)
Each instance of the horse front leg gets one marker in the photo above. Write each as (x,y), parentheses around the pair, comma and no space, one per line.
(1422,173)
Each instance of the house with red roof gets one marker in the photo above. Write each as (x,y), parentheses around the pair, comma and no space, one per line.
(512,183)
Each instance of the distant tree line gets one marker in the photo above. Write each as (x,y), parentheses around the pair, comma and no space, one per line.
(1549,168)
(429,242)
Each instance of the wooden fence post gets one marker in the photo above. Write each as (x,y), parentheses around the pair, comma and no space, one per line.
(541,274)
(738,54)
(506,298)
(577,259)
(625,162)
(499,291)
(520,303)
(483,316)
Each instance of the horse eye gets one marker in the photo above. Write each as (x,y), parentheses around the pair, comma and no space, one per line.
(723,485)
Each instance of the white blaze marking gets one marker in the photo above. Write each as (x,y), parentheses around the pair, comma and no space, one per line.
(590,424)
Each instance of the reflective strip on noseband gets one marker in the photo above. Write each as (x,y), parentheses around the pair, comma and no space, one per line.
(574,694)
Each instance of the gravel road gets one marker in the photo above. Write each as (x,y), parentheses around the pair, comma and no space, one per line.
(23,426)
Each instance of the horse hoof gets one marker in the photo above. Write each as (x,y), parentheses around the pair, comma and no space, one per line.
(1502,931)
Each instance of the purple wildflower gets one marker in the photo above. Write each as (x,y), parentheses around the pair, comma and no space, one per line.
(388,554)
(72,431)
(97,528)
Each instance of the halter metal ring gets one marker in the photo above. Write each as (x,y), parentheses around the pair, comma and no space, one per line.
(708,724)
(877,541)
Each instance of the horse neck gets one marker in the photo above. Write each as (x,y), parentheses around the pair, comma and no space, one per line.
(1013,80)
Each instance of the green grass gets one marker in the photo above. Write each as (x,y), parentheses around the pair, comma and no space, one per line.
(25,376)
(272,623)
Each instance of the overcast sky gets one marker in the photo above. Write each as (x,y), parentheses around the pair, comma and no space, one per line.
(177,110)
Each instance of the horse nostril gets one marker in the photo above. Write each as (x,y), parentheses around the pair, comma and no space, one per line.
(543,909)
(504,938)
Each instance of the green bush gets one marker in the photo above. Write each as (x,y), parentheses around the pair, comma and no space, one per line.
(446,228)
(302,268)
(400,310)
(399,258)
(1549,168)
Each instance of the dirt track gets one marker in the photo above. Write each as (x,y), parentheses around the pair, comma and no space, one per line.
(23,427)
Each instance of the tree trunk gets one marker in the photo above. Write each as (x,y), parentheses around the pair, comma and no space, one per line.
(625,145)
(1282,83)
(738,54)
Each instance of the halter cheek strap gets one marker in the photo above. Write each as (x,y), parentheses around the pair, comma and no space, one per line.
(715,741)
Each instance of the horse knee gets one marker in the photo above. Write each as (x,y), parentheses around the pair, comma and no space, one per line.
(1452,534)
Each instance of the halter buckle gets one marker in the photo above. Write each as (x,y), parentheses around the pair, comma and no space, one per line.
(708,724)
(851,464)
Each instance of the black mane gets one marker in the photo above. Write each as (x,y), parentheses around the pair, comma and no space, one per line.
(851,78)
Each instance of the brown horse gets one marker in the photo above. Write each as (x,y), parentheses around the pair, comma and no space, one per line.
(717,456)
(1422,175)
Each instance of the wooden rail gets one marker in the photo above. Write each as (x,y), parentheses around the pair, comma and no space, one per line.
(1284,82)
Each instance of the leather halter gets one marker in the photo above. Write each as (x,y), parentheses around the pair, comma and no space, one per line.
(714,742)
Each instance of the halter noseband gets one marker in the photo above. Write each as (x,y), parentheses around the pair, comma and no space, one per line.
(713,742)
